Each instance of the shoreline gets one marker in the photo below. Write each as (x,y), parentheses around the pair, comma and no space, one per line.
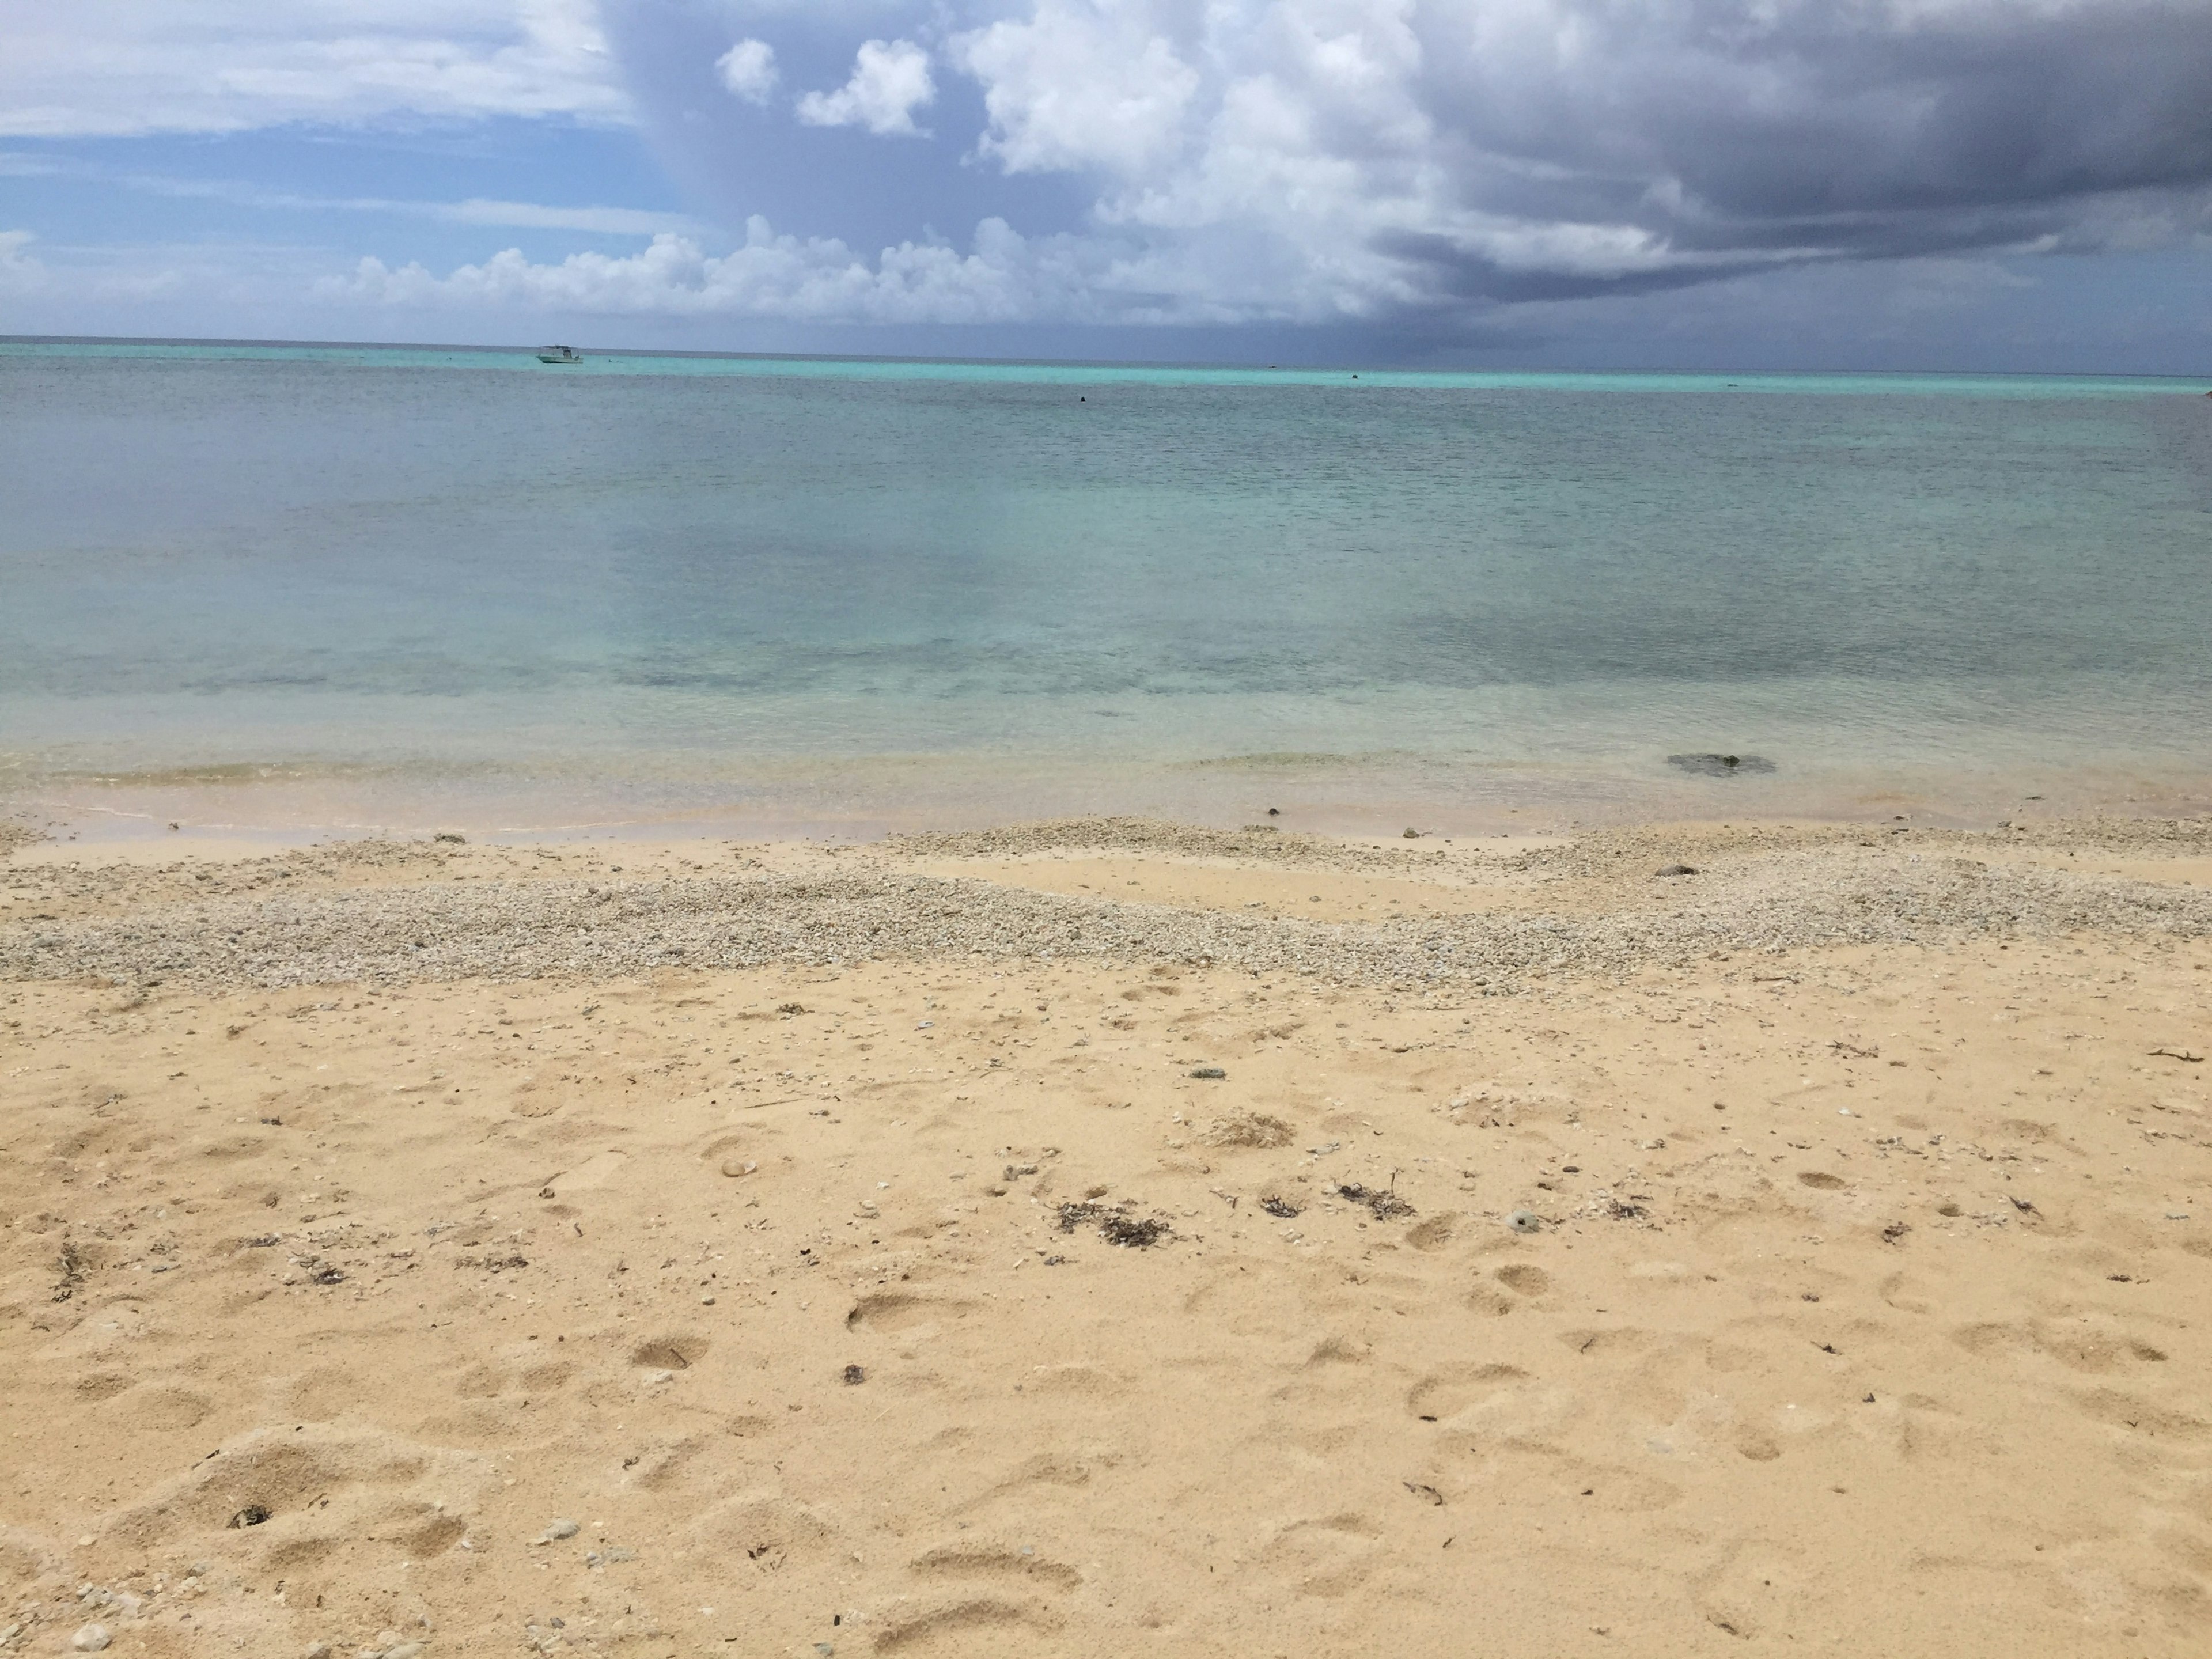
(1141,1240)
(919,795)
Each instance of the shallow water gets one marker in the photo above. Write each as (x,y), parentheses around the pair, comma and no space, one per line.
(284,586)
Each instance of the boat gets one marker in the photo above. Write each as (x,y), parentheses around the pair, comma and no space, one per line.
(560,355)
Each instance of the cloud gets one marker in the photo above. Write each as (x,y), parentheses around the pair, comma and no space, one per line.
(537,215)
(1004,278)
(121,68)
(748,70)
(1405,162)
(475,210)
(1419,165)
(1078,87)
(891,81)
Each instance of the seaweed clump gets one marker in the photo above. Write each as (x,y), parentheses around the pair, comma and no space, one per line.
(1382,1202)
(1116,1226)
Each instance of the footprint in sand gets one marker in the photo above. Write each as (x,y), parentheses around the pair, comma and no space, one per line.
(678,1352)
(1446,1392)
(1434,1233)
(1525,1278)
(976,1626)
(897,1311)
(1328,1557)
(975,1561)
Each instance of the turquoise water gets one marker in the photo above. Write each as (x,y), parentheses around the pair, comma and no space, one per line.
(260,584)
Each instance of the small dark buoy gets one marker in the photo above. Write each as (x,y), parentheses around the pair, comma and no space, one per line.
(1274,812)
(1083,400)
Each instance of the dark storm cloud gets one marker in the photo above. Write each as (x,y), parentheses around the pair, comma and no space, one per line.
(1738,135)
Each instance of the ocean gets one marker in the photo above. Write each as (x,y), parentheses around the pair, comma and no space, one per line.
(281,591)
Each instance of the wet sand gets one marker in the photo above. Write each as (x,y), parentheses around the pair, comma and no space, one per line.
(1810,1254)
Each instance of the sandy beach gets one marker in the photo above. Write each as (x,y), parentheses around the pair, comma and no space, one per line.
(1108,1238)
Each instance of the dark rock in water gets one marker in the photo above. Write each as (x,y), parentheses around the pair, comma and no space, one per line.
(1679,870)
(1720,766)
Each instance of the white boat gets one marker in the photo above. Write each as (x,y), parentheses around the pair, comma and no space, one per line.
(560,355)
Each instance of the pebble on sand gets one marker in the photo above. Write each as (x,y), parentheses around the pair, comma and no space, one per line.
(559,1530)
(1525,1221)
(91,1638)
(1214,1073)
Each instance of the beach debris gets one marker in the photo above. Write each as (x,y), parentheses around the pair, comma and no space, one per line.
(1249,1129)
(1281,1208)
(1412,835)
(1116,1226)
(70,1265)
(738,1166)
(1894,1231)
(559,1530)
(1621,1210)
(854,1376)
(1211,1073)
(445,836)
(1383,1203)
(1677,870)
(2193,1056)
(1422,1489)
(1133,1234)
(251,1516)
(1525,1221)
(1720,766)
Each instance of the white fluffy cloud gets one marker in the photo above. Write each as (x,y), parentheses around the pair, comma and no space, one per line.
(891,81)
(107,67)
(1004,278)
(748,70)
(1080,86)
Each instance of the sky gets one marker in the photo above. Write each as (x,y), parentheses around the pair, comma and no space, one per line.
(2000,184)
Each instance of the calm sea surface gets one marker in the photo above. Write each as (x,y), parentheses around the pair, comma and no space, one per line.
(307,586)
